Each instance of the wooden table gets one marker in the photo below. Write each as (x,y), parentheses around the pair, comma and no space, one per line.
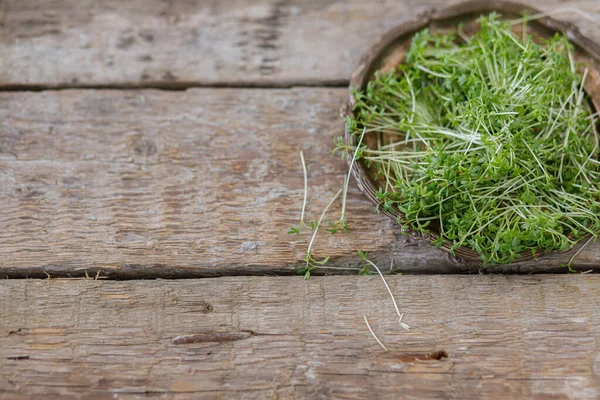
(159,139)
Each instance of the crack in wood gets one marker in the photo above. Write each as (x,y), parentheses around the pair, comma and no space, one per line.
(168,85)
(18,358)
(265,38)
(212,337)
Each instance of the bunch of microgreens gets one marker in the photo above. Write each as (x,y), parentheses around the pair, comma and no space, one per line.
(488,140)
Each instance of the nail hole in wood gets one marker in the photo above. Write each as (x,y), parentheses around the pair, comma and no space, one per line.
(437,355)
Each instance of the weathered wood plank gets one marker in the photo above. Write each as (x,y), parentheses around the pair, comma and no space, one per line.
(202,182)
(157,43)
(243,337)
(151,183)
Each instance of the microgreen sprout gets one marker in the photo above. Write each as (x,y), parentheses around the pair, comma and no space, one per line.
(488,141)
(574,256)
(363,256)
(373,334)
(566,10)
(341,223)
(310,225)
(311,263)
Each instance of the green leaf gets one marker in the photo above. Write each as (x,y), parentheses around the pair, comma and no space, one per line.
(324,261)
(362,255)
(365,271)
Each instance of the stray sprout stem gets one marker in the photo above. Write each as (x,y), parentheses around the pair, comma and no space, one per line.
(305,187)
(565,10)
(579,251)
(347,181)
(294,230)
(339,268)
(341,223)
(321,219)
(374,335)
(400,315)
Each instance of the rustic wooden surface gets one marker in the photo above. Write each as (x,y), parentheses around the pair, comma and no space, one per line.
(156,43)
(202,182)
(205,182)
(266,338)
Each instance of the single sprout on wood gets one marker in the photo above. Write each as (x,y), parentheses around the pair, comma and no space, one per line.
(310,225)
(374,335)
(363,256)
(311,263)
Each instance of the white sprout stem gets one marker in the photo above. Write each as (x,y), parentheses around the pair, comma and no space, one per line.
(463,36)
(565,10)
(321,219)
(412,95)
(580,250)
(347,182)
(400,315)
(431,72)
(373,334)
(305,187)
(538,161)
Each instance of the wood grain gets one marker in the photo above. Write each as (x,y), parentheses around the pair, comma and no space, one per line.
(156,43)
(203,182)
(278,338)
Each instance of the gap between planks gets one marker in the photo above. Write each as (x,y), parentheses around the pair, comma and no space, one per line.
(178,86)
